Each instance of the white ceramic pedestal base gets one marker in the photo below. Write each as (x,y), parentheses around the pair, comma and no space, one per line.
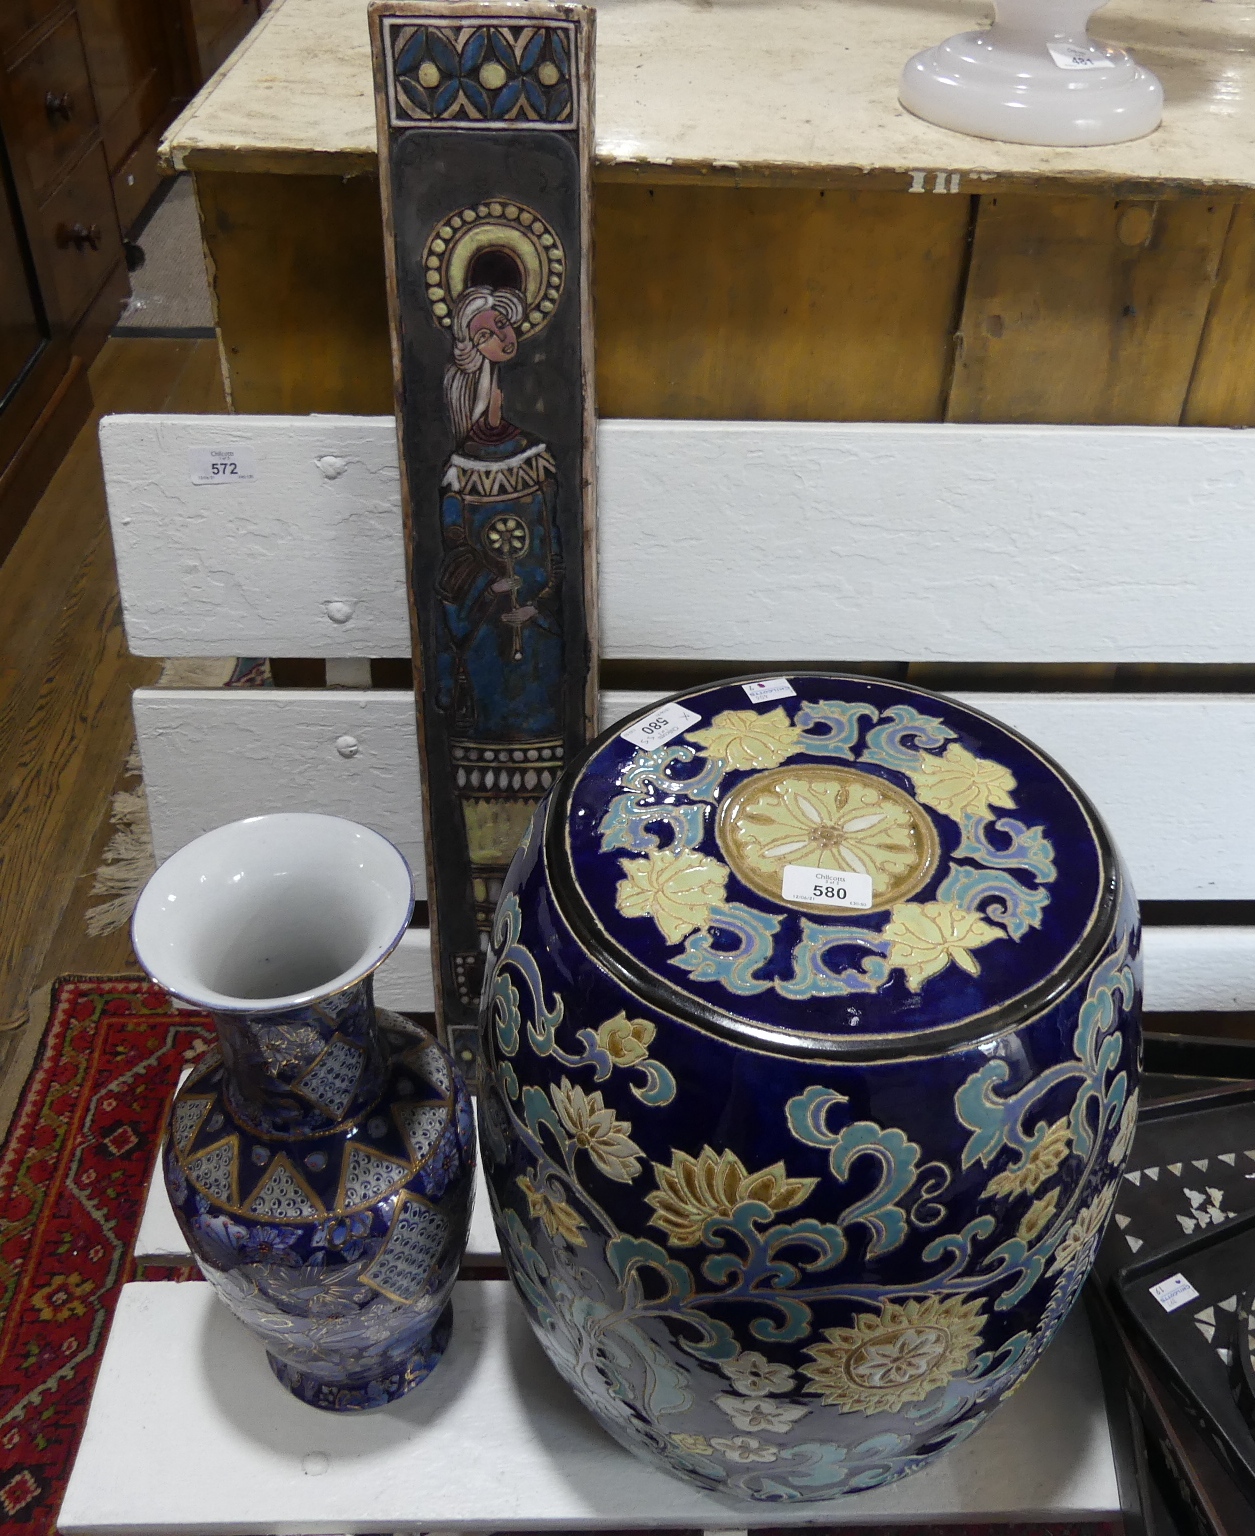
(1034,78)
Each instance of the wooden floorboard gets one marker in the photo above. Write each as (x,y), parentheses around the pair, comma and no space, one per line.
(65,687)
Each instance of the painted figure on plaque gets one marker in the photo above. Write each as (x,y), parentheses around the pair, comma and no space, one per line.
(500,647)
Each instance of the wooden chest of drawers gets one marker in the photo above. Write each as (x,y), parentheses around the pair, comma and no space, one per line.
(87,87)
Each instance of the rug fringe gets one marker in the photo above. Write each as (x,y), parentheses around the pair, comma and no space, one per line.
(127,862)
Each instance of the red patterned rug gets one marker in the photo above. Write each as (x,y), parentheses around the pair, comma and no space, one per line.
(72,1179)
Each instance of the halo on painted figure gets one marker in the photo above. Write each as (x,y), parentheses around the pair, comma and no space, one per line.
(495,244)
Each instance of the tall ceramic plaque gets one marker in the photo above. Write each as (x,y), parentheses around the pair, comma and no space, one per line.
(485,150)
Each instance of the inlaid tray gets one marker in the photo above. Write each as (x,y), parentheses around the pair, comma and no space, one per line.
(1179,1258)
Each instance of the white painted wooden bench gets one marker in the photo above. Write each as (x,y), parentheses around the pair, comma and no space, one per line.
(719,541)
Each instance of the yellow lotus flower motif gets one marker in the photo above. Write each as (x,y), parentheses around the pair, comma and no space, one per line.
(898,1357)
(826,818)
(695,1445)
(1037,1217)
(1124,1136)
(676,889)
(595,1130)
(694,1189)
(1081,1243)
(626,1041)
(925,938)
(744,738)
(958,781)
(559,1218)
(1043,1162)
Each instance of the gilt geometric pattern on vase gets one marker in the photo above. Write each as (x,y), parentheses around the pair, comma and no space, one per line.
(216,1171)
(413,1244)
(366,1176)
(423,1125)
(332,1080)
(187,1118)
(281,1196)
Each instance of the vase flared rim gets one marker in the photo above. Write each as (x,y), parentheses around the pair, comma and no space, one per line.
(181,865)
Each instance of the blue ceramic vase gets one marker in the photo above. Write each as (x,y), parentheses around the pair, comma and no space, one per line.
(811,1032)
(320,1160)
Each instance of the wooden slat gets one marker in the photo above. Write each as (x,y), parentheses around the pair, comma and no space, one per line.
(1169,772)
(1222,391)
(809,305)
(1085,308)
(719,539)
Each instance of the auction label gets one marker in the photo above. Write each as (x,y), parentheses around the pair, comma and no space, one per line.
(826,887)
(1068,57)
(767,689)
(657,729)
(222,466)
(1173,1292)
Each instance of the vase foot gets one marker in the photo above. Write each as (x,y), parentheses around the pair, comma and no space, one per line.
(1020,94)
(355,1394)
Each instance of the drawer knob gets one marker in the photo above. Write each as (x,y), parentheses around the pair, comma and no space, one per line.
(80,236)
(60,108)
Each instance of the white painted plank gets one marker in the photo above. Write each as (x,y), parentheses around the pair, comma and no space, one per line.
(404,980)
(494,1440)
(160,1238)
(1209,970)
(303,560)
(211,757)
(723,539)
(1188,969)
(1169,772)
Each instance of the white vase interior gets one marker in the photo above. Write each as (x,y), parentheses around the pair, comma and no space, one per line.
(274,911)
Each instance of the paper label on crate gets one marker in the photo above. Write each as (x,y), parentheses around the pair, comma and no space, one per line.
(657,729)
(1068,57)
(826,887)
(222,466)
(769,688)
(1173,1292)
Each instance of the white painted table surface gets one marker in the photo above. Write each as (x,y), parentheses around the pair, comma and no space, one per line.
(739,85)
(160,1239)
(189,1433)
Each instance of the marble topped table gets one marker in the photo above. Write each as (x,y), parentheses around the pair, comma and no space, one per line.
(776,237)
(776,91)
